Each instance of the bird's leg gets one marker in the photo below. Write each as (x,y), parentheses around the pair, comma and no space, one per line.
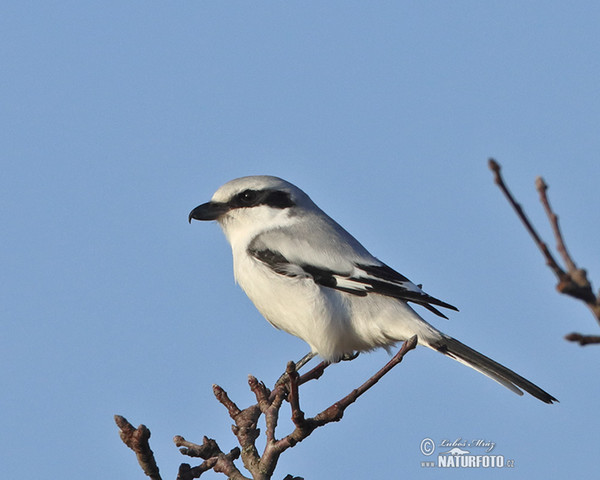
(349,356)
(304,360)
(299,364)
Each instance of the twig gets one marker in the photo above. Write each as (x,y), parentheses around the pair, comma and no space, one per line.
(542,188)
(208,449)
(186,472)
(224,400)
(214,459)
(334,413)
(221,462)
(573,281)
(313,374)
(582,339)
(245,427)
(137,440)
(268,403)
(495,167)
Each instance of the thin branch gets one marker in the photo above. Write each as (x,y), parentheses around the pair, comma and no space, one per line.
(542,189)
(314,374)
(186,472)
(495,167)
(214,459)
(226,466)
(208,449)
(573,281)
(224,400)
(334,413)
(583,339)
(245,428)
(138,440)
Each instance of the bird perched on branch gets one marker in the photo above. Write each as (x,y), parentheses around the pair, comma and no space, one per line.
(311,278)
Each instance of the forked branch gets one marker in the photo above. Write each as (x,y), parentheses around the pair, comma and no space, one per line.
(137,440)
(268,403)
(572,280)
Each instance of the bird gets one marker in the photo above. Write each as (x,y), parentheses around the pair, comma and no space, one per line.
(312,279)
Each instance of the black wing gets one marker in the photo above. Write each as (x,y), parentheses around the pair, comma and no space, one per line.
(364,279)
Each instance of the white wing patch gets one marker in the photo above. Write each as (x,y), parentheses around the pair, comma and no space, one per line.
(348,283)
(362,280)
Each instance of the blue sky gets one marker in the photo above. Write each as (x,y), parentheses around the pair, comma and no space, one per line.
(120,117)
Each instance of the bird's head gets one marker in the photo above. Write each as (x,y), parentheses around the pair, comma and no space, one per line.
(247,206)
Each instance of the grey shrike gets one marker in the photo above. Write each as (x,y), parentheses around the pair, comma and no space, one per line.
(311,278)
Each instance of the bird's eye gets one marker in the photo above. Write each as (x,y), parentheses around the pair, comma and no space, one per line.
(248,197)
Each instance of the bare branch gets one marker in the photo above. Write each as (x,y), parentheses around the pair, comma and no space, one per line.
(582,339)
(208,449)
(224,464)
(495,167)
(214,458)
(334,413)
(137,440)
(224,399)
(573,281)
(313,374)
(186,472)
(245,428)
(542,188)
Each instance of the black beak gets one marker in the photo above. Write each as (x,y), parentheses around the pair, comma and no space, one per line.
(208,211)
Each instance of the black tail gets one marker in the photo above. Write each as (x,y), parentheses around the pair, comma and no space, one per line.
(472,358)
